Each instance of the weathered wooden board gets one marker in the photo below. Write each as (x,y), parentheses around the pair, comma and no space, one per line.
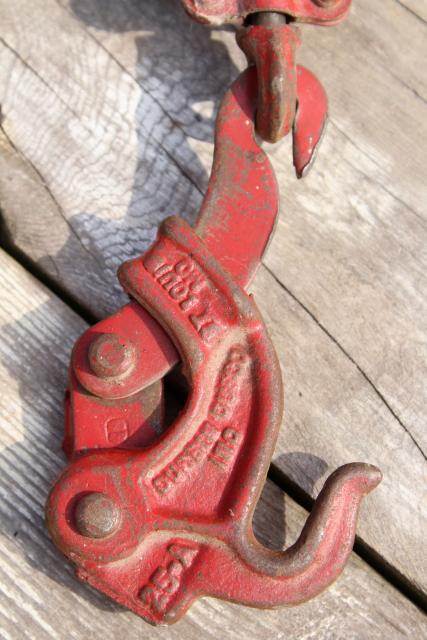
(110,109)
(417,7)
(39,596)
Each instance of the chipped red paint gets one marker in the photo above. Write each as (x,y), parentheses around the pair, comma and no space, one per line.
(242,198)
(157,528)
(289,96)
(272,49)
(226,213)
(156,519)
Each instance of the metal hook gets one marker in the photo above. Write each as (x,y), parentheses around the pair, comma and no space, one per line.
(159,527)
(290,97)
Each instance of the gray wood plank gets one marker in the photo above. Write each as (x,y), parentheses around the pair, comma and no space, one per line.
(39,596)
(110,109)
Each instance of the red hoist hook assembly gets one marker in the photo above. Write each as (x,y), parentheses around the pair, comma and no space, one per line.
(156,517)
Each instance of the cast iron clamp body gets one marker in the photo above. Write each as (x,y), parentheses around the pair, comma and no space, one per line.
(155,518)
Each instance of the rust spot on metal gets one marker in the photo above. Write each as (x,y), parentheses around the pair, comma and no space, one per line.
(96,516)
(111,356)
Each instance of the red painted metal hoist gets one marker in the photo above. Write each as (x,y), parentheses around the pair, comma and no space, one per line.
(156,517)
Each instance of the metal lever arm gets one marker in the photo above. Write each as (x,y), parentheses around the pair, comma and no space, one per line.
(136,523)
(236,221)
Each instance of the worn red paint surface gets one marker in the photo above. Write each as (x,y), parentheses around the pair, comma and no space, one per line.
(236,221)
(157,519)
(172,543)
(272,49)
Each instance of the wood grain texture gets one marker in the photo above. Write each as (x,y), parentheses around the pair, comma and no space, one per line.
(39,596)
(108,115)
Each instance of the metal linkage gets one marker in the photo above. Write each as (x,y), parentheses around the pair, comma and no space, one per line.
(289,97)
(125,510)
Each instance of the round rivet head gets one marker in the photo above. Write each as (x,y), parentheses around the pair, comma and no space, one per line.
(96,516)
(111,356)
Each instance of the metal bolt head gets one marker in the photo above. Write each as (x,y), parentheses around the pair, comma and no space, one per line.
(96,516)
(111,356)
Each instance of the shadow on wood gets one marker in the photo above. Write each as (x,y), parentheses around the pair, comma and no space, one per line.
(29,467)
(154,195)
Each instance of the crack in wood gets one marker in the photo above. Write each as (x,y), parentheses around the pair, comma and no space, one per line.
(348,356)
